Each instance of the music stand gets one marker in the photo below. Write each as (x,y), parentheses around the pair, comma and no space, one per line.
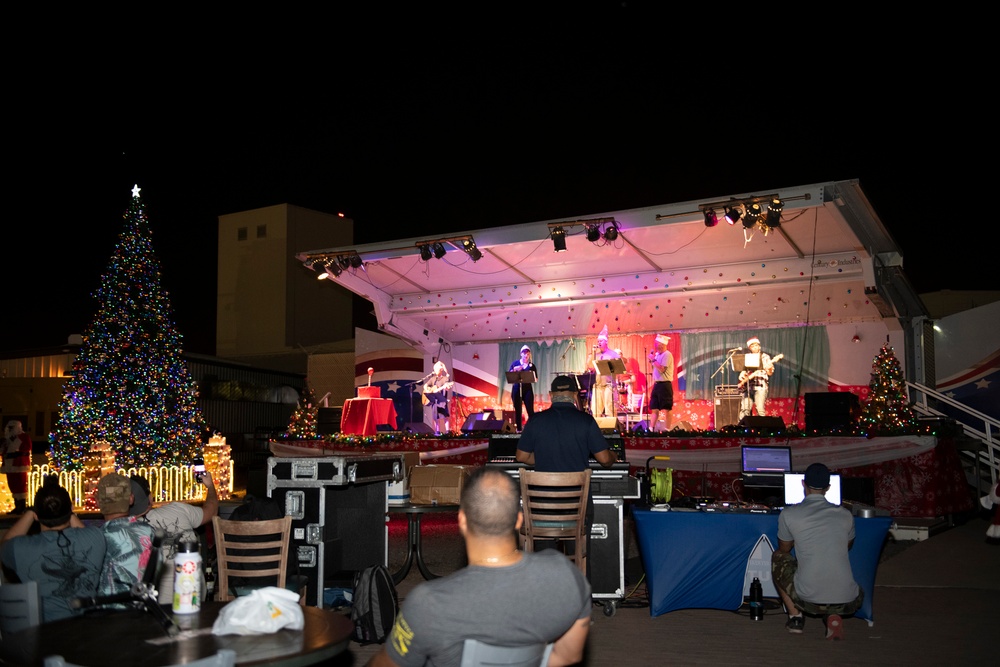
(521,377)
(737,363)
(610,366)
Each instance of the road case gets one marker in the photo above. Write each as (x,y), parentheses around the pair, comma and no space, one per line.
(339,507)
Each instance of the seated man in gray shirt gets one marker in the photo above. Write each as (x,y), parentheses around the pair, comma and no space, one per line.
(504,596)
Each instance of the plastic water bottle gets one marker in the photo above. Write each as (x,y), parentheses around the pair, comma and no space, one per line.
(189,582)
(756,600)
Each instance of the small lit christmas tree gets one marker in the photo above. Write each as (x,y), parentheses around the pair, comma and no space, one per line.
(887,409)
(130,387)
(303,421)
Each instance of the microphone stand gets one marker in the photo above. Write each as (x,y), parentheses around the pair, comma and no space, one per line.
(726,361)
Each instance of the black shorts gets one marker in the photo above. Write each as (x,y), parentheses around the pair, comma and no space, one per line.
(662,397)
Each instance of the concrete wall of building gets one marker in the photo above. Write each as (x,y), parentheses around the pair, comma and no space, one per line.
(268,303)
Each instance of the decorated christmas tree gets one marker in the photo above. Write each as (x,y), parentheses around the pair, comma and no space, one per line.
(887,409)
(130,390)
(303,421)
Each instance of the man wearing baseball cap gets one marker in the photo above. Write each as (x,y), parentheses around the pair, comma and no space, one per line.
(64,556)
(563,439)
(522,392)
(130,541)
(818,580)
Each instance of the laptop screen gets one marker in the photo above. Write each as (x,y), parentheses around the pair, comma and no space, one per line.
(767,459)
(764,466)
(794,493)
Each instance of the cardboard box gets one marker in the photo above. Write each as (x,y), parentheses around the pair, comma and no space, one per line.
(437,484)
(399,492)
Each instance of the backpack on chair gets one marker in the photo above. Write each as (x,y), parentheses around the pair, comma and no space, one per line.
(374,606)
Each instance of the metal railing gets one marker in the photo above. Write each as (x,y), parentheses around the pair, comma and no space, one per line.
(974,424)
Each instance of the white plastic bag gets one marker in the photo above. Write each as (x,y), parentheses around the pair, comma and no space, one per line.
(263,611)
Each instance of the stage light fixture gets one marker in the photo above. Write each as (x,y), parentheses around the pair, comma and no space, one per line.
(711,220)
(469,246)
(425,253)
(344,261)
(559,239)
(439,250)
(316,266)
(356,261)
(593,233)
(774,213)
(732,214)
(330,270)
(611,232)
(753,215)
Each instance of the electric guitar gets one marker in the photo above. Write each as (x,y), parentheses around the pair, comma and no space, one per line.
(759,373)
(434,390)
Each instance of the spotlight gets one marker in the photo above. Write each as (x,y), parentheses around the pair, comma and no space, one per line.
(344,261)
(752,216)
(711,220)
(425,253)
(559,239)
(593,233)
(439,250)
(774,213)
(469,246)
(611,232)
(355,261)
(332,268)
(732,213)
(318,265)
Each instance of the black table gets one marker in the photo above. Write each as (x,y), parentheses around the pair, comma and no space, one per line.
(135,637)
(414,552)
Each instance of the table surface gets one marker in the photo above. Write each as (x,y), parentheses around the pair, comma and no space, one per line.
(700,559)
(122,638)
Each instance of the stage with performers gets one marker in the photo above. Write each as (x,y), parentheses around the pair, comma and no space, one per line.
(909,475)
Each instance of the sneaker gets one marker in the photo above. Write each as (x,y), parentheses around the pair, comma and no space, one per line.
(834,627)
(796,624)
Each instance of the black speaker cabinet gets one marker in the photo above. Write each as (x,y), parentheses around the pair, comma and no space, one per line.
(763,423)
(489,425)
(417,427)
(727,411)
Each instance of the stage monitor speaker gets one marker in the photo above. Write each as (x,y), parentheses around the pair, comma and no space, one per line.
(417,427)
(727,411)
(386,428)
(608,423)
(763,423)
(482,425)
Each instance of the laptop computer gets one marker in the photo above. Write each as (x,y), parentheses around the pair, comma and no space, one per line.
(765,466)
(794,493)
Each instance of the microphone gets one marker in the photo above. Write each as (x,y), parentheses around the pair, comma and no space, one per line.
(736,349)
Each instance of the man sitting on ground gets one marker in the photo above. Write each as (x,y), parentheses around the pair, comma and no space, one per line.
(65,557)
(130,542)
(504,596)
(819,579)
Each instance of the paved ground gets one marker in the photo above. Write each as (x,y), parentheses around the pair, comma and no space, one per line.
(935,602)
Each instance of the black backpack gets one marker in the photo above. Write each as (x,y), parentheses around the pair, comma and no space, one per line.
(374,606)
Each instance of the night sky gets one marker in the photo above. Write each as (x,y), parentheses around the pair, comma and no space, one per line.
(416,132)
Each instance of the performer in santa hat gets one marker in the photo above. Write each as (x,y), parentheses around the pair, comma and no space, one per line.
(605,404)
(16,451)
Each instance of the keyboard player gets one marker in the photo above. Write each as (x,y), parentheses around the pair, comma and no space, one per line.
(563,439)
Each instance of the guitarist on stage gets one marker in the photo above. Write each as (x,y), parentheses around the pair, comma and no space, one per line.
(753,383)
(436,396)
